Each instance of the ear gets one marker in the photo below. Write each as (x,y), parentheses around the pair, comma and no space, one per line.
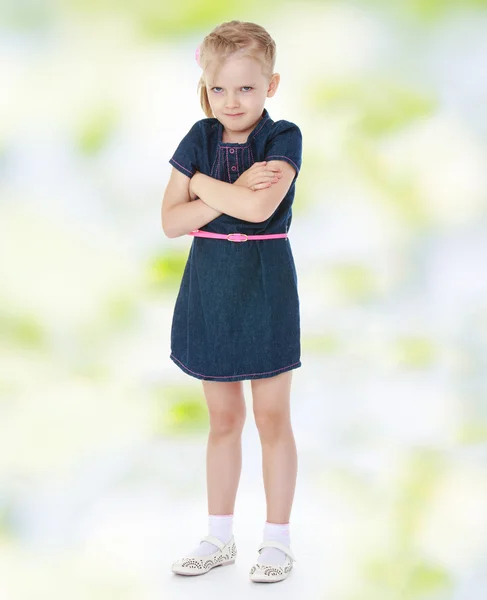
(273,85)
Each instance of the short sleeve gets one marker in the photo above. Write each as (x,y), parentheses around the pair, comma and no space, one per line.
(185,158)
(286,144)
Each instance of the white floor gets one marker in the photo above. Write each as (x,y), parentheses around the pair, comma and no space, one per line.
(311,570)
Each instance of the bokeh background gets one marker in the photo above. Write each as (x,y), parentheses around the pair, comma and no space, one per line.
(103,439)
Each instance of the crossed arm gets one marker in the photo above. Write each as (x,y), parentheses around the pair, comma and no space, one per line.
(241,202)
(190,203)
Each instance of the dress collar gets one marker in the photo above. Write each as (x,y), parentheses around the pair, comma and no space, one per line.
(265,120)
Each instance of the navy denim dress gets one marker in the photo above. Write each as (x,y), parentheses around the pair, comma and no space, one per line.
(236,315)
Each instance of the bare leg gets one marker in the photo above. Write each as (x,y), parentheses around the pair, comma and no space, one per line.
(226,406)
(271,405)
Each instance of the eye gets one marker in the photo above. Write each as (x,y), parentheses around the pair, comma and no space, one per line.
(245,88)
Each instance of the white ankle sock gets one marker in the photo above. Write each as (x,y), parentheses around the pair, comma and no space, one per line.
(277,532)
(219,526)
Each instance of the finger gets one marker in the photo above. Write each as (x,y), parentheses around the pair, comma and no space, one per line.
(263,181)
(267,179)
(263,167)
(269,172)
(262,174)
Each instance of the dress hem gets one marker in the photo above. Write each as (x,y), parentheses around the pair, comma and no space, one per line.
(184,368)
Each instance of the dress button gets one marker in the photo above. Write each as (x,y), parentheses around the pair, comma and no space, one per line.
(232,150)
(234,168)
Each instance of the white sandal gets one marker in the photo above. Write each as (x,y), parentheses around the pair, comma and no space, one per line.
(197,565)
(267,573)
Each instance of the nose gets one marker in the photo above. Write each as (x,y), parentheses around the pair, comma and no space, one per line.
(232,102)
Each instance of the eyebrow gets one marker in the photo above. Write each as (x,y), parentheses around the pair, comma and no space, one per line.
(244,85)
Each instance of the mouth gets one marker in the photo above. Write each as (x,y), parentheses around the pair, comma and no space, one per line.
(235,115)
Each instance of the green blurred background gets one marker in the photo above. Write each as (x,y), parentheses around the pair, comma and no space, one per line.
(102,437)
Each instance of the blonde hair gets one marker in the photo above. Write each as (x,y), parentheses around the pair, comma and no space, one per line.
(226,39)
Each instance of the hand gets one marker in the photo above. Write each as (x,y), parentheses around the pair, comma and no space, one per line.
(259,176)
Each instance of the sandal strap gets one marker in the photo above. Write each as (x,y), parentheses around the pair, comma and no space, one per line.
(214,540)
(279,546)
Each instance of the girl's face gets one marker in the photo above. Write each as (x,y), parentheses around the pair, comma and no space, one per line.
(239,88)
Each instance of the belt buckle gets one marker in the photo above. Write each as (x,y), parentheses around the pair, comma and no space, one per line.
(243,237)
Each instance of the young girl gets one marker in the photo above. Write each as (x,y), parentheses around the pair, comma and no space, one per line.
(237,312)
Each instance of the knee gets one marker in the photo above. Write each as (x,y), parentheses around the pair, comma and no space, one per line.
(270,422)
(226,422)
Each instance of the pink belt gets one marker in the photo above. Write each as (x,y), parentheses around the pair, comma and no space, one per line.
(243,237)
